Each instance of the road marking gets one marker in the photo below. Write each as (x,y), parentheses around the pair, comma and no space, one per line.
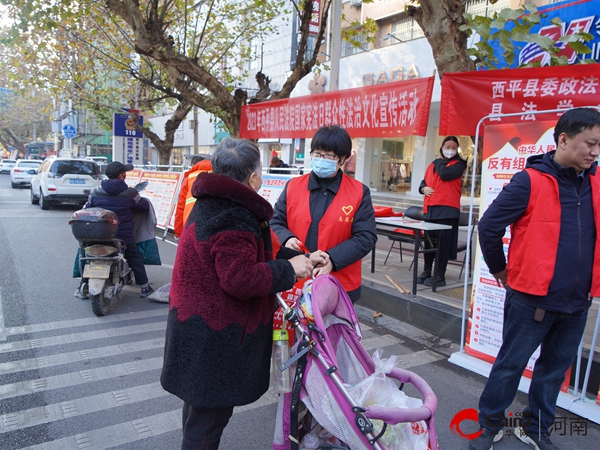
(2,327)
(81,337)
(79,377)
(74,323)
(84,405)
(80,356)
(129,432)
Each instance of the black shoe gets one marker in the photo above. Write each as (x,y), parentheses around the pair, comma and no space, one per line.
(441,281)
(421,278)
(486,440)
(535,440)
(146,291)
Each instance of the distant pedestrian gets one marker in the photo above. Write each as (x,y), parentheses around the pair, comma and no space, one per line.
(277,164)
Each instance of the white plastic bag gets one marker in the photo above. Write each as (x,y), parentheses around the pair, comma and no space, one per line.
(379,390)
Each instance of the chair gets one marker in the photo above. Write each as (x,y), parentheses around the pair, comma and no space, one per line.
(463,222)
(412,212)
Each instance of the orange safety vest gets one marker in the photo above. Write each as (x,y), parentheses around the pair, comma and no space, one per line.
(335,225)
(447,193)
(535,235)
(186,201)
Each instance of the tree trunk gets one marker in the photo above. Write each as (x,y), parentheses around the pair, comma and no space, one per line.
(164,147)
(439,20)
(15,140)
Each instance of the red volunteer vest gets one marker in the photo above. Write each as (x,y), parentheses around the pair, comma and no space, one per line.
(447,193)
(336,224)
(535,236)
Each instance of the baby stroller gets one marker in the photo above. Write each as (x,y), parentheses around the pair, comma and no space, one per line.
(328,360)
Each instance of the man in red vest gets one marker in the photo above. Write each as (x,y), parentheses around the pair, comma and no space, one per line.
(553,267)
(329,211)
(185,201)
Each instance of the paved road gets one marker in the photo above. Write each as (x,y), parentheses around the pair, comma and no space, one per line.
(70,380)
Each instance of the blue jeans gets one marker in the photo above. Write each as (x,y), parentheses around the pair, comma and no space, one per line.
(559,335)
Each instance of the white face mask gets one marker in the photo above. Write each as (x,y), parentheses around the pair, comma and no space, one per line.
(449,153)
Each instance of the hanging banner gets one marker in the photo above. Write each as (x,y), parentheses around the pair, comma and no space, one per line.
(383,110)
(505,152)
(469,96)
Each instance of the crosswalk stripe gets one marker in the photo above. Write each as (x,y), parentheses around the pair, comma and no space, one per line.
(111,319)
(81,337)
(128,432)
(80,406)
(43,362)
(78,378)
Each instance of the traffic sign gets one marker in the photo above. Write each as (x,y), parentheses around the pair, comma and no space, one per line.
(69,131)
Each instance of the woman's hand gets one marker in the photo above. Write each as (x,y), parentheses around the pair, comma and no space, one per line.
(426,190)
(293,243)
(319,258)
(327,268)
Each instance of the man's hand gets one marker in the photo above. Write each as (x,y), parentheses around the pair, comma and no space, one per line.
(500,278)
(302,266)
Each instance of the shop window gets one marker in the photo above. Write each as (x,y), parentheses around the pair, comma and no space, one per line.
(396,167)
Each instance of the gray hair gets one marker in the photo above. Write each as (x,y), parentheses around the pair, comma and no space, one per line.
(236,158)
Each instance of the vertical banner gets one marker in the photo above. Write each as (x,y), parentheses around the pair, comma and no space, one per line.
(127,140)
(505,152)
(161,190)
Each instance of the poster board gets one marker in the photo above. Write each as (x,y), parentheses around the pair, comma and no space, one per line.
(161,191)
(505,152)
(272,186)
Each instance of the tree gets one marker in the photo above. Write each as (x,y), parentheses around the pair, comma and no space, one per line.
(447,28)
(190,53)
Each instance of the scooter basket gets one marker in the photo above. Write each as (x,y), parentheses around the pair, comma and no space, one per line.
(94,223)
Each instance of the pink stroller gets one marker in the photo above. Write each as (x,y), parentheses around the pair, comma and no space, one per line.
(328,355)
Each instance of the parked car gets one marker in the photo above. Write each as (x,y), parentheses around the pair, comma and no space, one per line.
(23,171)
(6,165)
(64,180)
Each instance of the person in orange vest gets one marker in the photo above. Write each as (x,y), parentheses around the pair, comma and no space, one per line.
(326,210)
(186,201)
(442,188)
(553,270)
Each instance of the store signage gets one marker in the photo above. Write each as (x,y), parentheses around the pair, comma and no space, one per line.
(467,97)
(390,110)
(395,74)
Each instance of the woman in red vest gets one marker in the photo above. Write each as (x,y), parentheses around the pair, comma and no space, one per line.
(327,210)
(442,189)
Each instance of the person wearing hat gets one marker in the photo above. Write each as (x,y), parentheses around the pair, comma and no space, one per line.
(114,194)
(185,200)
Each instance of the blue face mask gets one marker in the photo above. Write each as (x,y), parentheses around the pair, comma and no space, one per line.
(323,168)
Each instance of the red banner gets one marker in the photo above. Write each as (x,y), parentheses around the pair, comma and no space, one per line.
(467,97)
(392,109)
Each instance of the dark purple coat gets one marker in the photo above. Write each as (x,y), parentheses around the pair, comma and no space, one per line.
(219,330)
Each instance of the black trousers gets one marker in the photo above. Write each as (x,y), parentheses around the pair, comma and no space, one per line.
(203,427)
(447,248)
(136,262)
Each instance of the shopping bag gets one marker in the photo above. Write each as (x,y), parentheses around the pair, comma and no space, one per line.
(149,251)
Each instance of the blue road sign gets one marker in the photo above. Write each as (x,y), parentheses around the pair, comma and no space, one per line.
(69,131)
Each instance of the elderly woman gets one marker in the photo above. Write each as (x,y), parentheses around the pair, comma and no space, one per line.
(219,329)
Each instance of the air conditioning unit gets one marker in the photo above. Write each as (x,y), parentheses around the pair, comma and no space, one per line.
(355,3)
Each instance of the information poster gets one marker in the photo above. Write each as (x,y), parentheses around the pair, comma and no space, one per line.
(505,152)
(161,190)
(272,186)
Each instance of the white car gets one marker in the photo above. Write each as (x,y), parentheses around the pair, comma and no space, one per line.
(23,171)
(64,180)
(6,165)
